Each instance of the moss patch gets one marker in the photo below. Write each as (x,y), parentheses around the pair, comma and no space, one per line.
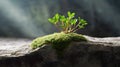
(59,41)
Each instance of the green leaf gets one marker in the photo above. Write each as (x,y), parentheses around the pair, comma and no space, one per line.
(51,20)
(73,21)
(71,15)
(80,26)
(57,16)
(82,22)
(62,19)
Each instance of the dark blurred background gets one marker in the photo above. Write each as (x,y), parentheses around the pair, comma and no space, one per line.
(28,18)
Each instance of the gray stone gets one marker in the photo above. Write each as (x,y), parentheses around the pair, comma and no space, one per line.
(97,52)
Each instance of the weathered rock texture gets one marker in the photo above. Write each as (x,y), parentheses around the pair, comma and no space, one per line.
(98,52)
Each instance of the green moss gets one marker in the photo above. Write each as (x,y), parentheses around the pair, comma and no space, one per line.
(59,41)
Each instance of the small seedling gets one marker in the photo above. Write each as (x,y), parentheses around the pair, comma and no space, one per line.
(68,24)
(60,41)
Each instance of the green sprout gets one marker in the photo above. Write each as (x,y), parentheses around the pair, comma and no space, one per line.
(68,24)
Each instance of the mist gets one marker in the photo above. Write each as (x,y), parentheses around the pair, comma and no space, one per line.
(29,18)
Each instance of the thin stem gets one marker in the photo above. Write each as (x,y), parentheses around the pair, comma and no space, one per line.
(75,30)
(76,26)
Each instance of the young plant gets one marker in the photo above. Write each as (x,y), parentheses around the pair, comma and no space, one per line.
(60,41)
(68,24)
